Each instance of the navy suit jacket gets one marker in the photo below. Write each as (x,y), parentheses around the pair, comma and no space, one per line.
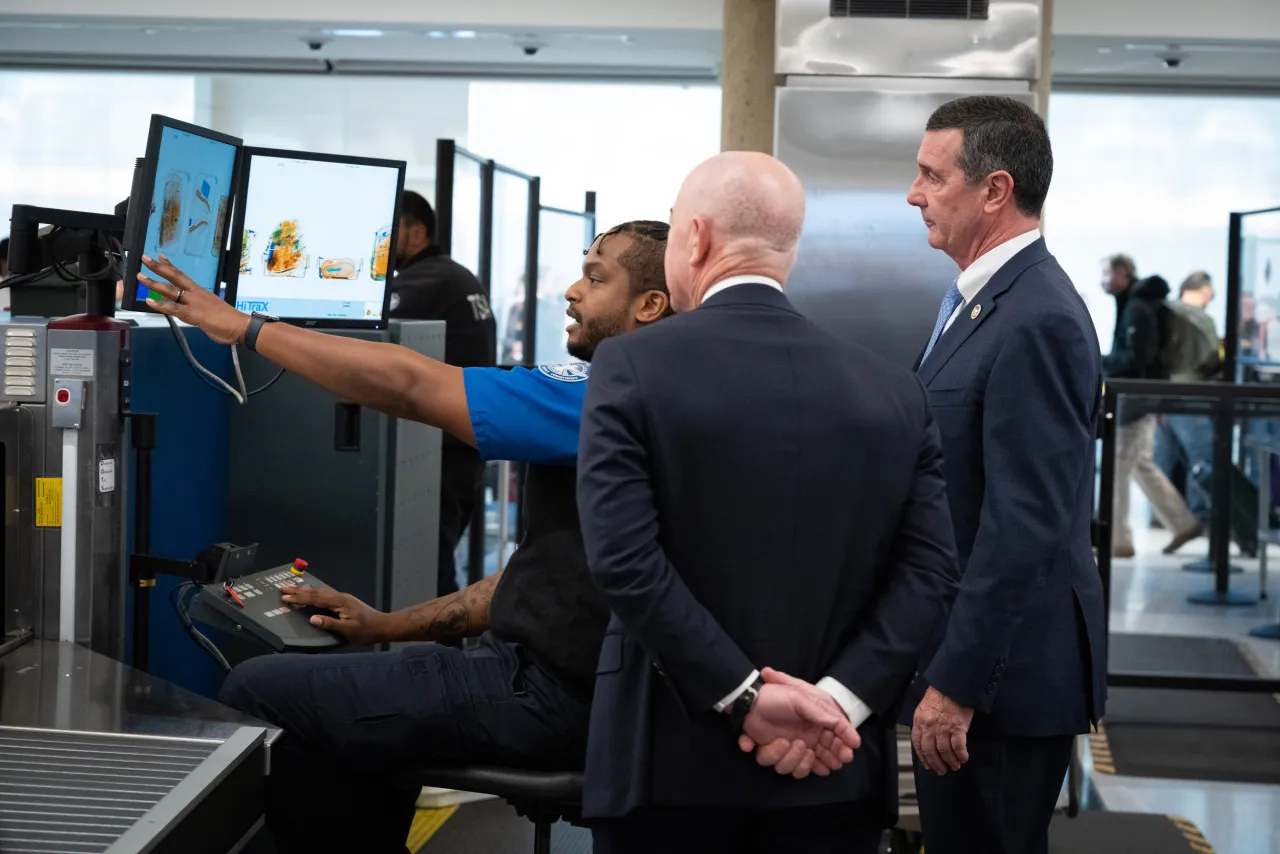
(1015,385)
(753,492)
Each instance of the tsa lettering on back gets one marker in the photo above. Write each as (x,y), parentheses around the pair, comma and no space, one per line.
(251,306)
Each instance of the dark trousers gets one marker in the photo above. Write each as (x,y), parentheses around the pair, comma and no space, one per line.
(829,829)
(1187,440)
(354,724)
(999,802)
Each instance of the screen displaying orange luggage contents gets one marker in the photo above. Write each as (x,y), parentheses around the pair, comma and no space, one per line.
(381,251)
(317,238)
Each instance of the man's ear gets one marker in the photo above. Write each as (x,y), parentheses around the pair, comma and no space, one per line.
(999,190)
(699,241)
(653,306)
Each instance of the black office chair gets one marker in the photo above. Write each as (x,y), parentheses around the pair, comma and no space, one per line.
(542,797)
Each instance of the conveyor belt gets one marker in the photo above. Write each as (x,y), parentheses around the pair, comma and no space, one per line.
(98,757)
(80,792)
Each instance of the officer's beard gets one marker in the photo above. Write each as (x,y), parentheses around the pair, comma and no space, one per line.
(591,331)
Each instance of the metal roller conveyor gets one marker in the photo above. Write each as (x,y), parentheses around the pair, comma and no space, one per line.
(99,757)
(90,792)
(74,791)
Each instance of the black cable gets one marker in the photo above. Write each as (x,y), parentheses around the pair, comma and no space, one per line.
(111,273)
(60,270)
(116,257)
(58,267)
(25,277)
(177,597)
(268,384)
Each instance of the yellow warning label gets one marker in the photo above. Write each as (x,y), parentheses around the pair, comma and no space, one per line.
(48,502)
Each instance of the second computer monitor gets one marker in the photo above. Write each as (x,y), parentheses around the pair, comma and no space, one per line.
(316,235)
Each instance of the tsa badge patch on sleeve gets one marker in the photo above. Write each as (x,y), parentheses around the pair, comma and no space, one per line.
(569,372)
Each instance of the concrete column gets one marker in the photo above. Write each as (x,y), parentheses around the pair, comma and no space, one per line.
(1045,82)
(747,75)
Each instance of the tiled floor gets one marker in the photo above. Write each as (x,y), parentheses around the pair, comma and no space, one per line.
(1148,594)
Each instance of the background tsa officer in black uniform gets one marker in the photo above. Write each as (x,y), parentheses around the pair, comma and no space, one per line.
(521,697)
(429,285)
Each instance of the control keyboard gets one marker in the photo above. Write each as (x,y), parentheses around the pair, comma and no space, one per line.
(251,603)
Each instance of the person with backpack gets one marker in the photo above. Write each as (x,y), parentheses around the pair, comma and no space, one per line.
(1192,354)
(1190,347)
(1144,336)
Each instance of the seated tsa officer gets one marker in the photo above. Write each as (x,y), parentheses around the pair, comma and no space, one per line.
(521,697)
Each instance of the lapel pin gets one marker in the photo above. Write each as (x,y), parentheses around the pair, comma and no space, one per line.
(977,310)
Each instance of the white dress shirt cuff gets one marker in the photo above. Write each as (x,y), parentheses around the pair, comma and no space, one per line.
(857,710)
(737,692)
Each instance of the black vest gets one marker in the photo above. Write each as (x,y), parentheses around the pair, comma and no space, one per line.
(546,601)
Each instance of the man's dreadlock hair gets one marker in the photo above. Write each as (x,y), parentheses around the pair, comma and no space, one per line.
(644,260)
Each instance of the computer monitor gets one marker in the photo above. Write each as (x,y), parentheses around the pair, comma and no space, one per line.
(180,205)
(317,237)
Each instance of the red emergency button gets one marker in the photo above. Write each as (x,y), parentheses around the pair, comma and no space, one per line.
(299,567)
(63,396)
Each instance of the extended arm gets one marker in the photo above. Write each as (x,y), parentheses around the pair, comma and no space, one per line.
(520,415)
(878,663)
(620,531)
(1043,384)
(386,377)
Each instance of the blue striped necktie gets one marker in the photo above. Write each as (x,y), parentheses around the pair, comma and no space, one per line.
(948,308)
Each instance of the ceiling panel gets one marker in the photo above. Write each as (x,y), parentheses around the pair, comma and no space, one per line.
(578,52)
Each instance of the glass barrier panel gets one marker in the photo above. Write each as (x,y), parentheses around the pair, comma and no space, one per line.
(562,238)
(1260,292)
(510,254)
(1168,562)
(466,213)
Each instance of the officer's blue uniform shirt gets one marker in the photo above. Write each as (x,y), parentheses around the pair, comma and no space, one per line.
(527,415)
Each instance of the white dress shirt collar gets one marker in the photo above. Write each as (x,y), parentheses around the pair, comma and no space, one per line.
(725,284)
(977,275)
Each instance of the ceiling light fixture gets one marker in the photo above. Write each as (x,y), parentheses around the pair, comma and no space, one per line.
(464,34)
(1254,47)
(357,34)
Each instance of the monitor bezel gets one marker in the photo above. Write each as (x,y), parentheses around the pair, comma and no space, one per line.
(135,238)
(231,271)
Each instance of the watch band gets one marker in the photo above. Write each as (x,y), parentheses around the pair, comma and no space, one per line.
(742,706)
(255,326)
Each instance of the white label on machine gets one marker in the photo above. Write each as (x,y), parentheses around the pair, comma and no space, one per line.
(106,475)
(71,363)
